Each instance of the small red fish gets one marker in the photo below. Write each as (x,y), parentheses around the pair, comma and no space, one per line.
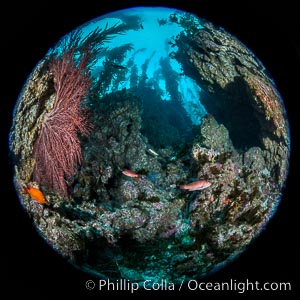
(196,185)
(130,173)
(35,194)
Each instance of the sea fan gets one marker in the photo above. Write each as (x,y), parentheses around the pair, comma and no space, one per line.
(57,150)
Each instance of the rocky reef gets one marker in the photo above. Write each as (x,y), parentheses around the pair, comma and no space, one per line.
(113,219)
(230,74)
(125,214)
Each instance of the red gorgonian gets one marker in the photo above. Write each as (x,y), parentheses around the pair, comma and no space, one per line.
(57,150)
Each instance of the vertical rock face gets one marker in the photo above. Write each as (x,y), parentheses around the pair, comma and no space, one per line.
(35,100)
(237,92)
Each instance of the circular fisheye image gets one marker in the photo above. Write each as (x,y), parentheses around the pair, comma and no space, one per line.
(149,144)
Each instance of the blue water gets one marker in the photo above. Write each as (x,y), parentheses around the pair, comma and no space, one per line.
(150,44)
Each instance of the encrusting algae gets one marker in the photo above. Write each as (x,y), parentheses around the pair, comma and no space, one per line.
(162,174)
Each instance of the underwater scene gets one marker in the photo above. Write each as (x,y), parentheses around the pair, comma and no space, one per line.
(149,144)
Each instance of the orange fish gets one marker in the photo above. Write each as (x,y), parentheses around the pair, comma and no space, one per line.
(196,185)
(35,194)
(130,173)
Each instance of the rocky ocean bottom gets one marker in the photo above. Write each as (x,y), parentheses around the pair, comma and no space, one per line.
(162,178)
(119,226)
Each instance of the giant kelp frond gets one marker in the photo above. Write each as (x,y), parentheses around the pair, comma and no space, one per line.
(132,22)
(71,41)
(122,28)
(96,39)
(118,54)
(92,42)
(114,70)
